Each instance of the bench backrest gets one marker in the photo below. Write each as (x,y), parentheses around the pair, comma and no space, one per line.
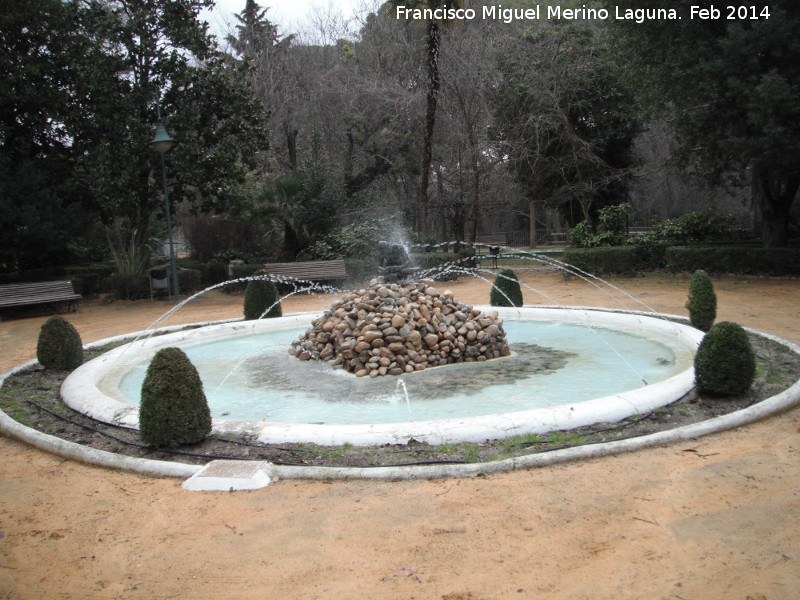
(323,270)
(39,292)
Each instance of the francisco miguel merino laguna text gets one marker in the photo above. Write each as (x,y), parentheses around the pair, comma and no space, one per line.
(507,15)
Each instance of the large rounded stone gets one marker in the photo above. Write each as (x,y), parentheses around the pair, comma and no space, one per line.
(431,339)
(371,336)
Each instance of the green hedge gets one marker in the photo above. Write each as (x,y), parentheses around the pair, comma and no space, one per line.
(246,270)
(88,279)
(433,260)
(137,287)
(600,261)
(189,281)
(43,274)
(650,255)
(209,273)
(713,259)
(239,271)
(734,259)
(127,287)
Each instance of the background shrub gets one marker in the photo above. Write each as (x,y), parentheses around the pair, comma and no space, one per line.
(741,260)
(246,270)
(88,279)
(650,254)
(188,281)
(211,273)
(358,240)
(725,364)
(611,229)
(259,295)
(128,287)
(435,265)
(599,261)
(506,290)
(59,346)
(174,410)
(432,260)
(239,271)
(702,302)
(466,258)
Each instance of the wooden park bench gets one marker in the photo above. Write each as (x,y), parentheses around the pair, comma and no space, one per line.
(321,270)
(491,242)
(55,293)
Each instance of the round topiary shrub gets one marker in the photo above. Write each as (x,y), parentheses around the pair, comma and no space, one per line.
(174,410)
(506,290)
(702,303)
(59,346)
(725,364)
(259,295)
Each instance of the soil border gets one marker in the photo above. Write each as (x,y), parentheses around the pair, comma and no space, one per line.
(781,402)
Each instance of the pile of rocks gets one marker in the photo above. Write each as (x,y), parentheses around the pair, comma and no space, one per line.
(391,329)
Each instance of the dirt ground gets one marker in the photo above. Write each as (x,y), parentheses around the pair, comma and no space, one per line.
(715,518)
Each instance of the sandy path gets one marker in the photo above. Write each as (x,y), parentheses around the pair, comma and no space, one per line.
(718,522)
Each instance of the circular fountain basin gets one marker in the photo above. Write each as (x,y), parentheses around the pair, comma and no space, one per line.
(637,363)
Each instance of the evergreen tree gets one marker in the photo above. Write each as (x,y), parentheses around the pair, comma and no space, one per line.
(730,88)
(174,410)
(83,83)
(725,363)
(59,345)
(260,295)
(506,290)
(702,302)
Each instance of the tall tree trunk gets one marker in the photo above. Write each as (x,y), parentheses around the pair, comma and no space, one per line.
(291,148)
(477,212)
(290,242)
(434,36)
(774,198)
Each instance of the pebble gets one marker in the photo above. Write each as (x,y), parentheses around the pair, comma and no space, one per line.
(397,329)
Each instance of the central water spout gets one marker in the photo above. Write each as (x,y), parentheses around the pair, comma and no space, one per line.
(401,386)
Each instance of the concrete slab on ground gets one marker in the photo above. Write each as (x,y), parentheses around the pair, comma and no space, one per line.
(229,476)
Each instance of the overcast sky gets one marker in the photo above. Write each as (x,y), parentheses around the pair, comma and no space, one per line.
(291,15)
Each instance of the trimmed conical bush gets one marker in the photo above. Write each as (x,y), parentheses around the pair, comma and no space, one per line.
(259,295)
(173,410)
(506,290)
(725,364)
(59,346)
(702,302)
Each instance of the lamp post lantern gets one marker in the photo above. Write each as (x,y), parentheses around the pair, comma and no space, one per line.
(161,143)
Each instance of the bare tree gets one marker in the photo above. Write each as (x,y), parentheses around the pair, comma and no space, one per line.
(468,78)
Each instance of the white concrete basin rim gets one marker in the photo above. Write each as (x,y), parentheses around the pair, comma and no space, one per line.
(81,390)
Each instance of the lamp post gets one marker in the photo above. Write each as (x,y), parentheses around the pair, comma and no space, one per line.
(162,143)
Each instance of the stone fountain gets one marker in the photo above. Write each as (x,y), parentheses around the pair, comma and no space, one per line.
(392,329)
